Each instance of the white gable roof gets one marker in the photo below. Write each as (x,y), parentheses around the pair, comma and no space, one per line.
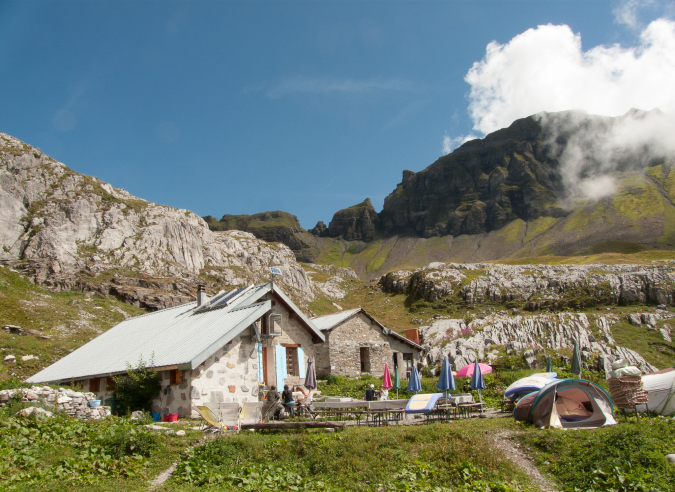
(183,336)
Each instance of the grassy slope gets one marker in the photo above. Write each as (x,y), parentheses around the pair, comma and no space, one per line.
(69,318)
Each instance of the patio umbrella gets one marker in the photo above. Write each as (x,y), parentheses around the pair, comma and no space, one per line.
(386,379)
(310,377)
(397,381)
(467,371)
(477,382)
(576,360)
(446,382)
(414,383)
(549,366)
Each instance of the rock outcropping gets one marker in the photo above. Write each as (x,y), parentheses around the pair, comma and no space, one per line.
(273,227)
(539,286)
(356,223)
(67,231)
(527,335)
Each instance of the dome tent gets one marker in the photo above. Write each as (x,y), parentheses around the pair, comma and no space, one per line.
(565,404)
(527,385)
(660,387)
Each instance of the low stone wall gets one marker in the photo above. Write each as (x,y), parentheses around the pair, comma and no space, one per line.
(73,403)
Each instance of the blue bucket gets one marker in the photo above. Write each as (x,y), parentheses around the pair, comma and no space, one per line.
(156,416)
(94,403)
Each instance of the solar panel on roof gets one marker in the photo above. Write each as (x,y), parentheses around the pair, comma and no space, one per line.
(229,296)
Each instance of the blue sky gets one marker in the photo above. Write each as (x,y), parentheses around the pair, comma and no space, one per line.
(247,106)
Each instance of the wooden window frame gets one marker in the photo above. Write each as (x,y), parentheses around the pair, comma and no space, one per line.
(176,377)
(294,370)
(95,385)
(110,384)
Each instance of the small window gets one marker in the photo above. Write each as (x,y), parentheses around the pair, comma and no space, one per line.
(176,377)
(95,385)
(408,363)
(292,361)
(110,384)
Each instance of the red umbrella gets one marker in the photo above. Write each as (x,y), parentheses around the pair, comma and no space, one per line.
(386,380)
(467,371)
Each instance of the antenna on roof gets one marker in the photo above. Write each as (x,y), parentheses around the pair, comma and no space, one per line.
(274,271)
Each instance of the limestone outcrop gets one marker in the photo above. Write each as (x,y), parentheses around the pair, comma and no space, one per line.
(528,335)
(67,231)
(539,286)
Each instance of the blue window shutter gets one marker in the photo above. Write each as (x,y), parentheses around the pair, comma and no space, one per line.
(301,362)
(258,347)
(280,359)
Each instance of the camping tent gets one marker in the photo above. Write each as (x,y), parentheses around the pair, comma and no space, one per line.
(566,403)
(661,390)
(526,386)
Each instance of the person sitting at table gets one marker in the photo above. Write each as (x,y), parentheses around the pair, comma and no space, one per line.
(273,395)
(370,393)
(289,402)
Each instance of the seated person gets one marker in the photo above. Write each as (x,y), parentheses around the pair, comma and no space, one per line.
(287,397)
(370,393)
(273,395)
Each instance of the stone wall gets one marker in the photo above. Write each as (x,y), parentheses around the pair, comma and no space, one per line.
(73,403)
(346,340)
(294,333)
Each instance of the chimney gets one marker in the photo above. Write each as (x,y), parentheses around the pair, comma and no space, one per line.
(201,295)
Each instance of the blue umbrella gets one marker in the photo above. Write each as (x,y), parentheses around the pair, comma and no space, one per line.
(446,382)
(414,383)
(576,360)
(477,382)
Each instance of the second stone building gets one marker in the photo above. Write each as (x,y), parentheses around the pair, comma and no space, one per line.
(356,343)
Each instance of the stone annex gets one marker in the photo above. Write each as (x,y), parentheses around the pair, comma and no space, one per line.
(222,349)
(356,343)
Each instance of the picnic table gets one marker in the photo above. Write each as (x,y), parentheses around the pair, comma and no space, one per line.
(465,409)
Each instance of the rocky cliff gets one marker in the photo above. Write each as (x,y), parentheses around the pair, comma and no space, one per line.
(534,287)
(273,227)
(66,231)
(356,223)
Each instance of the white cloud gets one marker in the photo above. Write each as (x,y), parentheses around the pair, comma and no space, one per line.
(626,12)
(593,148)
(450,144)
(546,69)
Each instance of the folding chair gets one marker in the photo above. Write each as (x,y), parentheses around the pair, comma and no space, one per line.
(209,418)
(230,414)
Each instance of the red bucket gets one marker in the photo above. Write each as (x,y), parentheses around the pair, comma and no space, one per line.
(170,417)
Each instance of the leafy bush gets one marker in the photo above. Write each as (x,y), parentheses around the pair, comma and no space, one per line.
(139,386)
(128,441)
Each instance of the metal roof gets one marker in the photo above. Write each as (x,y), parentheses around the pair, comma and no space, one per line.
(174,336)
(330,321)
(185,335)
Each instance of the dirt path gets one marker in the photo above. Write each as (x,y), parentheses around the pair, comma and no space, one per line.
(506,442)
(166,474)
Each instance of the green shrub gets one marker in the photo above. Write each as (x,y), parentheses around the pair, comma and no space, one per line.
(139,386)
(128,441)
